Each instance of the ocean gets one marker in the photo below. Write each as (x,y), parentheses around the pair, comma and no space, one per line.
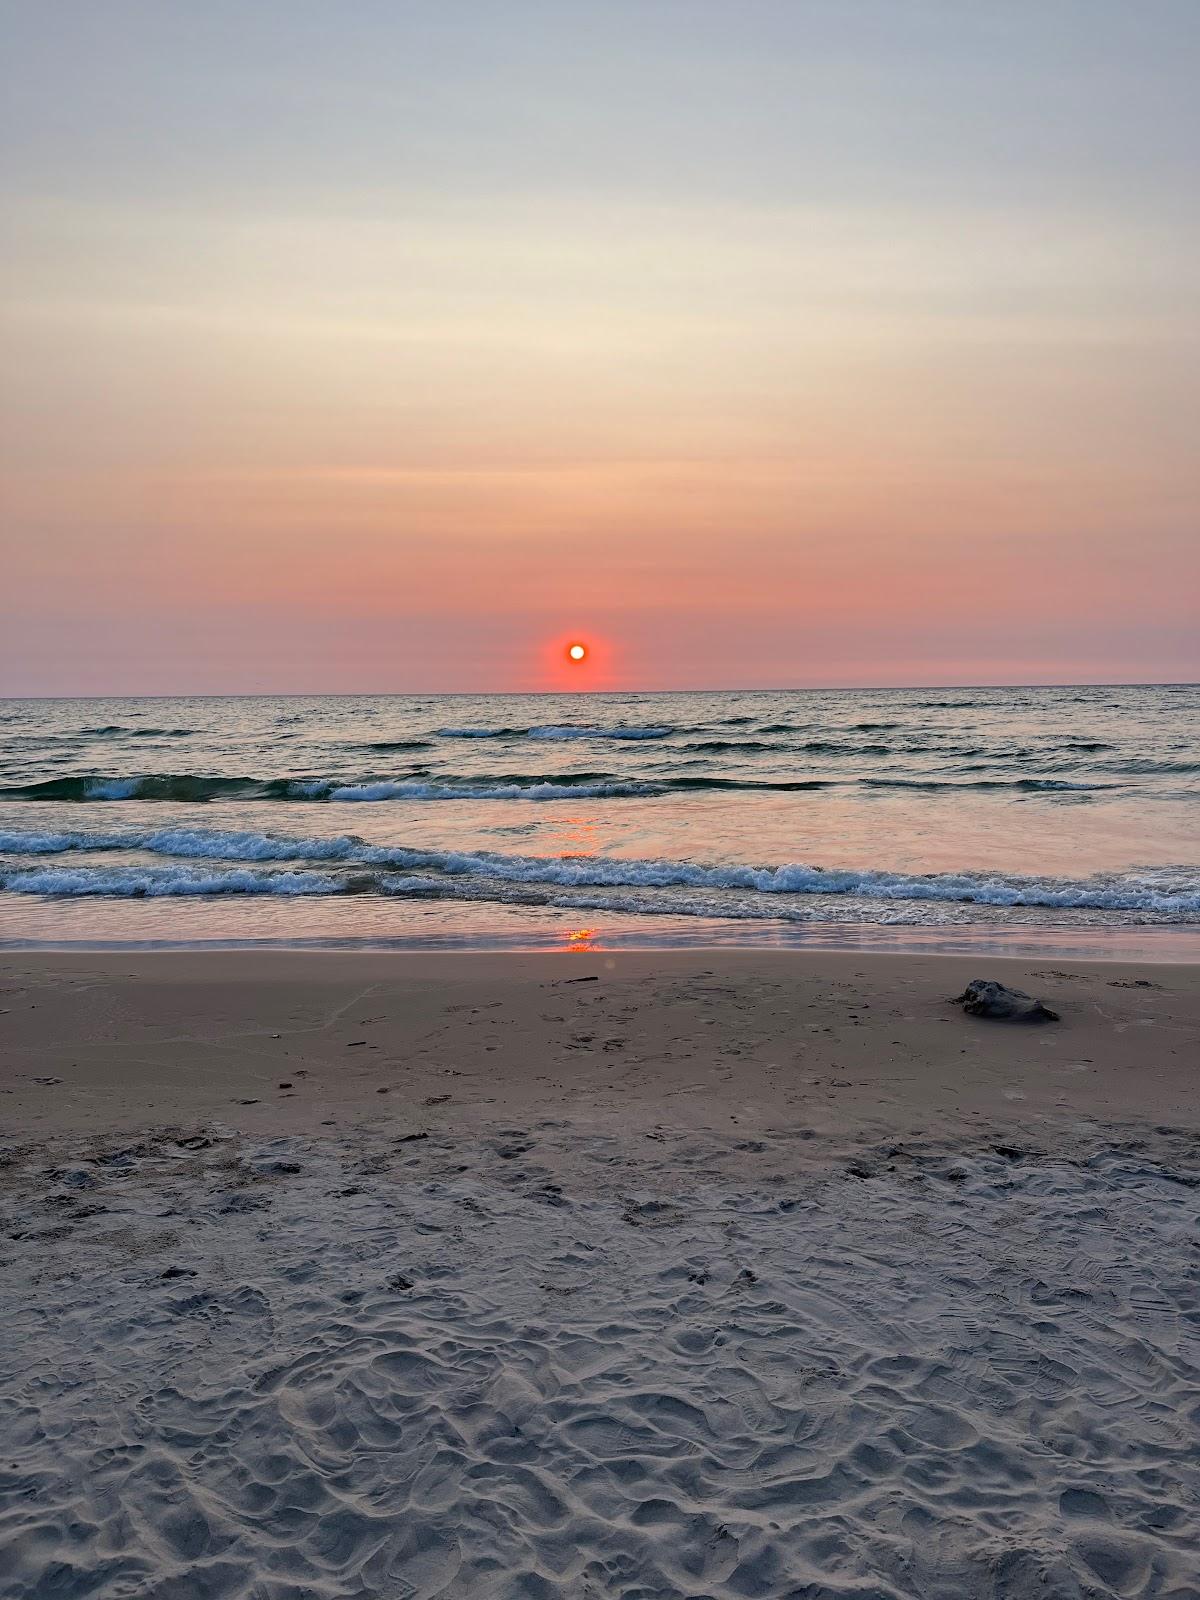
(1064,819)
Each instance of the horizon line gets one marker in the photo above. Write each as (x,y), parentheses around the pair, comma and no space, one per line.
(407,694)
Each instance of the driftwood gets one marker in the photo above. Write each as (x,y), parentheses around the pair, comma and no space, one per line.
(982,998)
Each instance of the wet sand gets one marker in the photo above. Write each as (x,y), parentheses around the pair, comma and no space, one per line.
(858,1045)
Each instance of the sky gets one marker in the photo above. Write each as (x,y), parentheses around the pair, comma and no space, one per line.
(369,345)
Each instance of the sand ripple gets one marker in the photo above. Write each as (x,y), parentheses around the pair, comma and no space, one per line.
(316,1370)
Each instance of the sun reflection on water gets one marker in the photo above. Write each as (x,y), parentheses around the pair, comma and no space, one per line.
(577,836)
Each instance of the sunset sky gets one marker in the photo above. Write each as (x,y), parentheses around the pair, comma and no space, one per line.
(377,345)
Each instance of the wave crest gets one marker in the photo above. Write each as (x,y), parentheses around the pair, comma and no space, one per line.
(361,867)
(196,789)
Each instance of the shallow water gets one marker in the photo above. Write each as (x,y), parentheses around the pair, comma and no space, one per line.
(703,817)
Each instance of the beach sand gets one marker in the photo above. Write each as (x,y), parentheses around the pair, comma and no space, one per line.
(658,1274)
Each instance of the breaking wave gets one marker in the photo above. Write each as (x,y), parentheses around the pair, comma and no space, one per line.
(156,882)
(353,866)
(197,789)
(525,789)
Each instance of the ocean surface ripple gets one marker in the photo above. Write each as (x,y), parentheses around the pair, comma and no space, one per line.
(482,815)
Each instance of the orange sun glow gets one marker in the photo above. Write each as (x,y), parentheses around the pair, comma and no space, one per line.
(577,652)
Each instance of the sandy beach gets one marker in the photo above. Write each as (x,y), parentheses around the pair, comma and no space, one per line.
(649,1274)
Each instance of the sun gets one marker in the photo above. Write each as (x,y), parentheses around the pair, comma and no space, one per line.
(573,661)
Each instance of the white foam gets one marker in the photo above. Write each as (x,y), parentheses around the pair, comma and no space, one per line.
(39,844)
(414,790)
(245,846)
(1145,892)
(1173,892)
(159,882)
(113,788)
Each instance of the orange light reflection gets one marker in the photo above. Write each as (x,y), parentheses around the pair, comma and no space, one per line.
(577,836)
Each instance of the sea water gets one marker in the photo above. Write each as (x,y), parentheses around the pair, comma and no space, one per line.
(1063,818)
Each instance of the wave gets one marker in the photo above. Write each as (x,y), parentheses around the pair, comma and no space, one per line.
(794,785)
(1028,785)
(722,746)
(185,787)
(813,747)
(565,730)
(114,728)
(573,730)
(195,789)
(386,747)
(1173,892)
(831,747)
(49,844)
(161,786)
(157,882)
(537,789)
(995,755)
(205,843)
(1146,766)
(780,785)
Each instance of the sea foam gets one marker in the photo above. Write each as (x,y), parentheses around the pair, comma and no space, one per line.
(1173,892)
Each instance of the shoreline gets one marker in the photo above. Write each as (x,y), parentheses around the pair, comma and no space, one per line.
(1140,944)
